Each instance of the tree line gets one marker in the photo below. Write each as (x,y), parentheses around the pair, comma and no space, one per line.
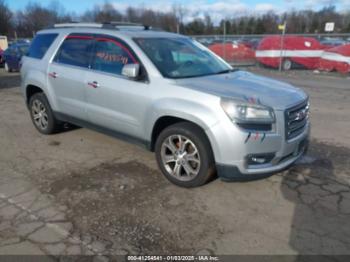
(34,17)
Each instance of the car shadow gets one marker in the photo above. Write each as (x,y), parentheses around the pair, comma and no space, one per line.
(10,80)
(67,127)
(319,187)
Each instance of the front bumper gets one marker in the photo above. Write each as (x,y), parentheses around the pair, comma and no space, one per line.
(231,148)
(232,173)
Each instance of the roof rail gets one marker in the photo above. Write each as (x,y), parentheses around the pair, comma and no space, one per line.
(74,24)
(124,25)
(121,23)
(106,25)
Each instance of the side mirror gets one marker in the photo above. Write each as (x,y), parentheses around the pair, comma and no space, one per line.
(131,70)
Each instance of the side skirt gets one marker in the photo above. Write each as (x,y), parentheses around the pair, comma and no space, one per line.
(122,136)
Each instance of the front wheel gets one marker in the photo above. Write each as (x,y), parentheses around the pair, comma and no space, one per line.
(184,155)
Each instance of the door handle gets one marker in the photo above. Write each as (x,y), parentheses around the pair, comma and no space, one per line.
(93,84)
(53,75)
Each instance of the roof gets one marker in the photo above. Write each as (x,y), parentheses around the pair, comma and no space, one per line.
(123,29)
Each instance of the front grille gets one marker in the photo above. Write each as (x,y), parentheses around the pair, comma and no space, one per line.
(296,119)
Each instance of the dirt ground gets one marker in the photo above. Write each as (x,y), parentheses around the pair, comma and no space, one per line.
(81,192)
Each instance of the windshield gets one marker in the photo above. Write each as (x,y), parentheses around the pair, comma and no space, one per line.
(181,57)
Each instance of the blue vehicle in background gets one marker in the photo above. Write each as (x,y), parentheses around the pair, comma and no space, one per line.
(13,54)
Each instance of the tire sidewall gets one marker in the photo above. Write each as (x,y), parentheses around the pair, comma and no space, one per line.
(206,168)
(51,120)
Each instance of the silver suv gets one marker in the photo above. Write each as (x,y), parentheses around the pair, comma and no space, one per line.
(168,93)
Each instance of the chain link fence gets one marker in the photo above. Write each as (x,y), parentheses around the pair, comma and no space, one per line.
(299,50)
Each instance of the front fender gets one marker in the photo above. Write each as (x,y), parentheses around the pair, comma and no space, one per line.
(197,113)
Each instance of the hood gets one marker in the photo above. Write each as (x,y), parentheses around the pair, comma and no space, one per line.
(246,86)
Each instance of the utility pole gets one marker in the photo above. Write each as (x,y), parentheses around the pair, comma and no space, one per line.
(283,28)
(224,41)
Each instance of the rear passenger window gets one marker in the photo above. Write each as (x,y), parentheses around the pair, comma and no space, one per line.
(110,56)
(75,50)
(40,45)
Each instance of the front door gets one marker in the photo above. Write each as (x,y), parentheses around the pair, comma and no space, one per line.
(114,101)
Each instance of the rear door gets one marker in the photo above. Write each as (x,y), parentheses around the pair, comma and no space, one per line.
(67,74)
(114,101)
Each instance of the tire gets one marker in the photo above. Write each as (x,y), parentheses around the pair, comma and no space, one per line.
(46,123)
(193,161)
(7,68)
(287,65)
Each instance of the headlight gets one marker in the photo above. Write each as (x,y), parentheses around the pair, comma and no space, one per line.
(243,112)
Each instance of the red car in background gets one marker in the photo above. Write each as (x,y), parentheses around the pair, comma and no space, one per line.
(297,50)
(235,52)
(337,58)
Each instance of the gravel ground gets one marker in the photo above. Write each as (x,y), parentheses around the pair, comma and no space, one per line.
(81,192)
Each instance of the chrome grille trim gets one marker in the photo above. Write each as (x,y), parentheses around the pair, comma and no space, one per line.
(296,119)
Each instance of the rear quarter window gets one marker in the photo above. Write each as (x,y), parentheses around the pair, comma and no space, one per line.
(40,45)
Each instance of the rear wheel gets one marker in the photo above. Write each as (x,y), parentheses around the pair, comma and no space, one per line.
(184,155)
(42,115)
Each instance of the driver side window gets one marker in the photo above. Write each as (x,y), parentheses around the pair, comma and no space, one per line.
(111,55)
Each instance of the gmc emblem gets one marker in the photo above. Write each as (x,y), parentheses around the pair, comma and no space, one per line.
(300,115)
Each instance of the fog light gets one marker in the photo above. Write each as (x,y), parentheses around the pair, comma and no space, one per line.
(259,159)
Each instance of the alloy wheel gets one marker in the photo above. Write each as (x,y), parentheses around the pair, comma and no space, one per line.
(180,157)
(39,114)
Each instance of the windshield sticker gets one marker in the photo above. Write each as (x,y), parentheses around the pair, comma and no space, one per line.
(112,57)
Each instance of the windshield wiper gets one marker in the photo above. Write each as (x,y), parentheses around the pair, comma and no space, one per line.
(227,71)
(202,75)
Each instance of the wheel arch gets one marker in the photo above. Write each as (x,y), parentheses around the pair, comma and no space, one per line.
(166,112)
(31,90)
(167,120)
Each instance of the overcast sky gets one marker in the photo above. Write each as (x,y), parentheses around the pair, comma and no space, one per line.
(197,8)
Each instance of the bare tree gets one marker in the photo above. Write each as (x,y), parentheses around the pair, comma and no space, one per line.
(5,18)
(132,15)
(35,17)
(180,12)
(100,14)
